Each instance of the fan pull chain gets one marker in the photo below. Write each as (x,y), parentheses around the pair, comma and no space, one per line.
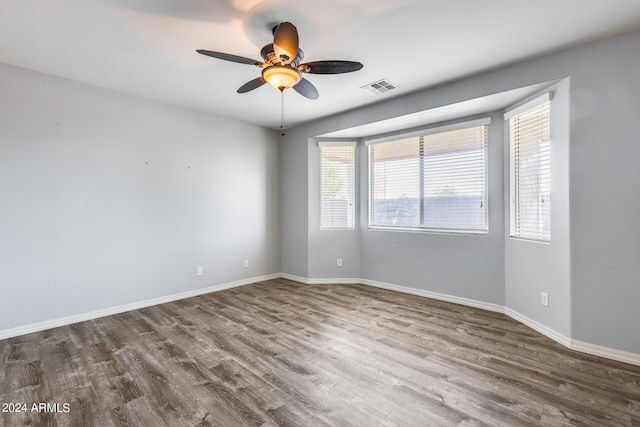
(282,112)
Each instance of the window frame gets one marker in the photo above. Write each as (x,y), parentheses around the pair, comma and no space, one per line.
(354,213)
(423,132)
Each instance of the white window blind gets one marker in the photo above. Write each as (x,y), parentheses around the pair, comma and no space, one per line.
(434,181)
(337,164)
(530,173)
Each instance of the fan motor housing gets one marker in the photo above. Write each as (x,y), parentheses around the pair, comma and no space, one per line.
(269,56)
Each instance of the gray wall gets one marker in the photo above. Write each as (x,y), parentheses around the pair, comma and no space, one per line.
(293,207)
(107,199)
(605,192)
(604,206)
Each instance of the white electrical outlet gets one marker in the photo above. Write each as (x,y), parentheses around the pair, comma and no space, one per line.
(199,271)
(544,299)
(246,263)
(339,262)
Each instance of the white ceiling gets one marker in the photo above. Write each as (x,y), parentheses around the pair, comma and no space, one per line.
(147,47)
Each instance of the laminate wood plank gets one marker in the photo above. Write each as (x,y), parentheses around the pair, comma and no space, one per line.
(281,353)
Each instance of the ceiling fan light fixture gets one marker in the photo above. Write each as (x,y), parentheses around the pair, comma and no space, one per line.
(281,77)
(282,66)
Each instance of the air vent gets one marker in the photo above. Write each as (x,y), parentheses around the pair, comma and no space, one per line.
(381,86)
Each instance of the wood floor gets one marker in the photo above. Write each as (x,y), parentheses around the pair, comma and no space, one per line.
(282,353)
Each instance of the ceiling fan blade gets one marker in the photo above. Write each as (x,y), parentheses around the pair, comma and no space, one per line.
(251,85)
(329,67)
(285,42)
(229,57)
(306,89)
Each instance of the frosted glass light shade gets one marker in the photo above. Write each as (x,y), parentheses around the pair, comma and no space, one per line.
(281,76)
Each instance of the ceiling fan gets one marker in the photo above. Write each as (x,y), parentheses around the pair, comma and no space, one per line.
(281,65)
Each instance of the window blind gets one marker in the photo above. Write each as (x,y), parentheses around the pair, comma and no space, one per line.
(530,173)
(337,164)
(434,181)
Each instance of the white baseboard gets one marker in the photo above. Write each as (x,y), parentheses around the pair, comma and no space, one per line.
(609,353)
(295,278)
(434,295)
(63,321)
(332,281)
(537,326)
(339,281)
(581,346)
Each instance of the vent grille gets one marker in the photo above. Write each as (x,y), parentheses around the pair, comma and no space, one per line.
(381,86)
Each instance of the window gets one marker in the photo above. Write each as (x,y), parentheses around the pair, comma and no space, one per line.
(434,179)
(530,171)
(337,185)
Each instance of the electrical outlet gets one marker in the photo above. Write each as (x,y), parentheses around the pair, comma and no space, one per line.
(544,299)
(199,271)
(339,262)
(246,263)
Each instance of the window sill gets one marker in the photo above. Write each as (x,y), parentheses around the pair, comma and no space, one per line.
(431,231)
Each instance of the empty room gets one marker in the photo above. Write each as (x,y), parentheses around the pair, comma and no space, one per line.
(304,213)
